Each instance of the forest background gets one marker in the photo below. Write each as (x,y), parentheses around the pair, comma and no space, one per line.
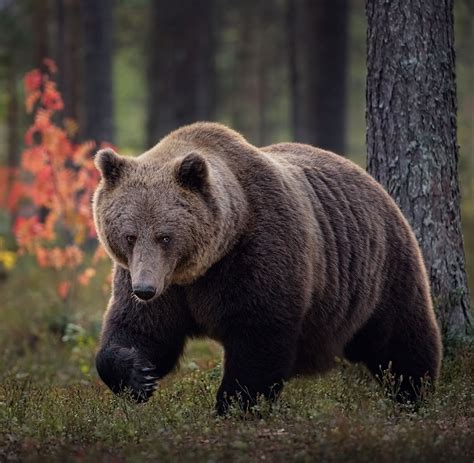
(129,71)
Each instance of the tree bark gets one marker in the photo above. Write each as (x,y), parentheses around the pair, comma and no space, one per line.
(97,21)
(411,137)
(317,43)
(181,75)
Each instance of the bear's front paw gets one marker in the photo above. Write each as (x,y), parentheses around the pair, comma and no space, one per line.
(124,369)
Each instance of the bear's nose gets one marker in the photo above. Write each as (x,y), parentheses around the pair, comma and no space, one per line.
(144,292)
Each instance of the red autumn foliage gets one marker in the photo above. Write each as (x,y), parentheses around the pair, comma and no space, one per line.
(54,185)
(33,80)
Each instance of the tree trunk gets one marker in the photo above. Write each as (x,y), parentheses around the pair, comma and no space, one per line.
(294,69)
(40,18)
(12,109)
(181,76)
(411,137)
(12,116)
(68,32)
(317,43)
(97,21)
(248,90)
(259,69)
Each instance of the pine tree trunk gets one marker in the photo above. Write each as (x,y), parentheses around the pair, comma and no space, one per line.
(40,18)
(12,119)
(12,110)
(411,137)
(259,70)
(317,35)
(248,99)
(97,20)
(294,28)
(181,76)
(68,56)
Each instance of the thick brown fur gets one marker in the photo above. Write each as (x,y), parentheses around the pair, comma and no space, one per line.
(288,255)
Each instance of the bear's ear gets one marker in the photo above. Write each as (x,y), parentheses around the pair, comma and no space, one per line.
(110,165)
(192,172)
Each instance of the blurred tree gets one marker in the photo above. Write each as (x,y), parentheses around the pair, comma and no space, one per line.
(12,43)
(68,55)
(132,19)
(40,25)
(464,38)
(258,69)
(252,78)
(411,137)
(97,22)
(249,71)
(317,47)
(13,148)
(181,74)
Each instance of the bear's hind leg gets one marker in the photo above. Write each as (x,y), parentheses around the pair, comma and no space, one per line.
(253,366)
(409,364)
(401,349)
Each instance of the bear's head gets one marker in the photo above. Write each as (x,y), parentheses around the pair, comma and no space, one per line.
(166,222)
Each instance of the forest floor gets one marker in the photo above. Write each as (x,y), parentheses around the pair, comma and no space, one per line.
(54,408)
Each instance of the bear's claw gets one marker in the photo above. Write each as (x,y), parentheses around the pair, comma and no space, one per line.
(142,380)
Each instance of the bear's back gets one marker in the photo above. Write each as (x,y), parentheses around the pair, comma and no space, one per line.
(340,178)
(325,163)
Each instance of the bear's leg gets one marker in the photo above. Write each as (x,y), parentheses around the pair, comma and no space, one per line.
(409,366)
(254,365)
(140,341)
(402,349)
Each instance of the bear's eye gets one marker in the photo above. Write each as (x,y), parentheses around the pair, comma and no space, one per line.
(165,240)
(131,239)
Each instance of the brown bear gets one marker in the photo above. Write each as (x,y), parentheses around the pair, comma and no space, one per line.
(288,255)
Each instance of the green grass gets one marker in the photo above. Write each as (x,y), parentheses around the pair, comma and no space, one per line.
(54,408)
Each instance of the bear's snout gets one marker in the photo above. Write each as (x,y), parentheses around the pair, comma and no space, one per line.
(144,293)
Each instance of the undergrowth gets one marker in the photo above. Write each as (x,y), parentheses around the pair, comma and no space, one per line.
(54,408)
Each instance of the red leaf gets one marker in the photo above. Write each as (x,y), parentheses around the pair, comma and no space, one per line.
(32,80)
(51,98)
(33,159)
(31,100)
(50,65)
